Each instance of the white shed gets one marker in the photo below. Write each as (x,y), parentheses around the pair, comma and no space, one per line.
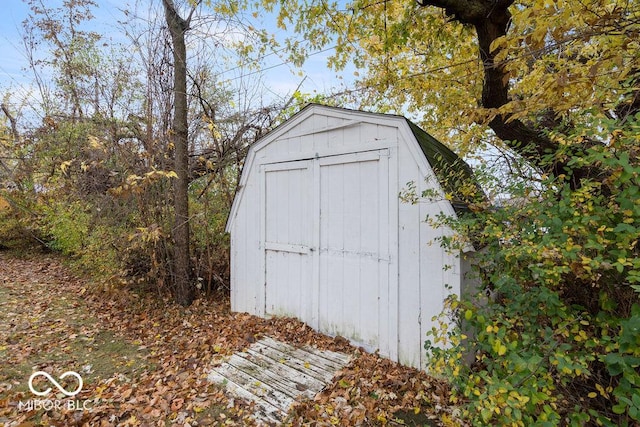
(318,231)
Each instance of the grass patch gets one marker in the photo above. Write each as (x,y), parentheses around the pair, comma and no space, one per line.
(410,418)
(48,322)
(111,354)
(58,334)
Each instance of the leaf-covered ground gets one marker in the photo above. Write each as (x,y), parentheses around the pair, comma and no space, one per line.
(144,360)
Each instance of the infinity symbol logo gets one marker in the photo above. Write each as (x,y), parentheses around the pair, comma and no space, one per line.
(55,383)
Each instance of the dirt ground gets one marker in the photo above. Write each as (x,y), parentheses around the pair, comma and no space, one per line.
(143,360)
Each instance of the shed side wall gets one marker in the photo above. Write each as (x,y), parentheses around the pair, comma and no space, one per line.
(247,257)
(422,279)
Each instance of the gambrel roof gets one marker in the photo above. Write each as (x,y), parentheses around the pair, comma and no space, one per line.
(454,175)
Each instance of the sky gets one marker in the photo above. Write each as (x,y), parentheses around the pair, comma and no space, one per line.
(280,79)
(13,13)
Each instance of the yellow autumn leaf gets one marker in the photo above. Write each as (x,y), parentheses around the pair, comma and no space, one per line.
(65,165)
(94,142)
(502,349)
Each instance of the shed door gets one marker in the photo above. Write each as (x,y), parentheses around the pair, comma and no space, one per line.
(354,249)
(288,238)
(327,243)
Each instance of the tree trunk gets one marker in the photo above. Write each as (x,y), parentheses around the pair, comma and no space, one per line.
(491,18)
(183,290)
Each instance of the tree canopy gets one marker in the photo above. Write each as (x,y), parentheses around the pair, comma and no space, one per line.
(520,68)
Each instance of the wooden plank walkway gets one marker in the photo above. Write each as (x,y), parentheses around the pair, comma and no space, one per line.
(274,374)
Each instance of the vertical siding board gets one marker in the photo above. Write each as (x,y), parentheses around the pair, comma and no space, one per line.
(261,291)
(260,229)
(392,231)
(335,138)
(326,241)
(367,132)
(306,189)
(270,277)
(350,303)
(384,252)
(390,133)
(239,237)
(351,212)
(335,295)
(409,279)
(234,284)
(294,145)
(319,142)
(320,139)
(293,288)
(295,180)
(369,220)
(369,304)
(252,251)
(246,298)
(353,184)
(247,274)
(369,243)
(316,219)
(335,226)
(432,271)
(307,125)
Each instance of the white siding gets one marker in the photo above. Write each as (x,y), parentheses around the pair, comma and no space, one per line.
(318,232)
(247,280)
(409,259)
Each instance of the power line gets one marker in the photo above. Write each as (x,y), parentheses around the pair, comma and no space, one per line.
(286,62)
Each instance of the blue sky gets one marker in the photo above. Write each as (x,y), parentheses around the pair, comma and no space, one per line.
(279,79)
(14,12)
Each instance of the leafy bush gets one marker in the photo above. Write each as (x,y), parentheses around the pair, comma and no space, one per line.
(555,335)
(75,228)
(67,223)
(211,200)
(16,222)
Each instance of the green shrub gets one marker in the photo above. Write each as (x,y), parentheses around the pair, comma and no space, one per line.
(78,230)
(16,220)
(211,202)
(67,225)
(557,340)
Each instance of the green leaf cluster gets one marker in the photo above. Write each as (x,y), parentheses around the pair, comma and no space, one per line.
(553,338)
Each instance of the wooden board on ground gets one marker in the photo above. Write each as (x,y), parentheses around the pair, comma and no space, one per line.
(274,374)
